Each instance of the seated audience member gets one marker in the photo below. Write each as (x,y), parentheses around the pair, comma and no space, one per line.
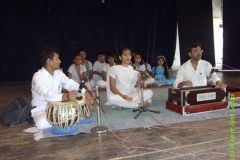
(160,73)
(111,62)
(98,66)
(147,66)
(76,71)
(195,71)
(138,63)
(122,81)
(89,70)
(47,86)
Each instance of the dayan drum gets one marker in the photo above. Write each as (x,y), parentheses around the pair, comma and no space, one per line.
(63,115)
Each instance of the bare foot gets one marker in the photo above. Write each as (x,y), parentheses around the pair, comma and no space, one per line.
(119,108)
(160,84)
(145,104)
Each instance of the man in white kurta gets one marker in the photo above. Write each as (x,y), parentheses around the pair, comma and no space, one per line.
(195,71)
(198,76)
(126,79)
(47,87)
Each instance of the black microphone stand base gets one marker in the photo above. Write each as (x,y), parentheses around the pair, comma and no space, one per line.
(143,109)
(99,129)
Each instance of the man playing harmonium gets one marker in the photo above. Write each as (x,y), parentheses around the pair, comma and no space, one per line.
(195,71)
(47,86)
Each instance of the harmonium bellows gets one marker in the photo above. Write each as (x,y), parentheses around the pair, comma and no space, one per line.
(196,99)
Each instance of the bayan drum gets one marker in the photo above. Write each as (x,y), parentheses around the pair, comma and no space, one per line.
(63,115)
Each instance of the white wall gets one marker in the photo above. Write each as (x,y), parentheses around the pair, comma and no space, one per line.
(177,62)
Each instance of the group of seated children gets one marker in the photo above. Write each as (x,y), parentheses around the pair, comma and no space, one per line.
(121,81)
(96,74)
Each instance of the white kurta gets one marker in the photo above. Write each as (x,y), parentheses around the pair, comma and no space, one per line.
(126,78)
(198,77)
(102,83)
(98,66)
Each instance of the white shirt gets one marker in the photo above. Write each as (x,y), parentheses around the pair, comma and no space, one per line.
(198,76)
(106,68)
(47,87)
(98,66)
(126,78)
(142,67)
(149,67)
(75,76)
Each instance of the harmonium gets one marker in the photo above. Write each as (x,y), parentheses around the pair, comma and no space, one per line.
(193,100)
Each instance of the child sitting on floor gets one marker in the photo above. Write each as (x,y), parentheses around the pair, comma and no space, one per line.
(122,81)
(160,72)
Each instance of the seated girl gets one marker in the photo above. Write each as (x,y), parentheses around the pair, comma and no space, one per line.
(160,73)
(122,81)
(77,71)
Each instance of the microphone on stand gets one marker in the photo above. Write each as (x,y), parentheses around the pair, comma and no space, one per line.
(135,68)
(133,65)
(211,72)
(79,93)
(209,78)
(81,86)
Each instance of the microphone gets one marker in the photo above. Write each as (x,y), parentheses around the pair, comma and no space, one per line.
(210,74)
(79,93)
(209,78)
(135,68)
(81,86)
(133,65)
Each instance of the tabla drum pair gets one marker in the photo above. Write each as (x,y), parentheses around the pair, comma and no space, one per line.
(63,116)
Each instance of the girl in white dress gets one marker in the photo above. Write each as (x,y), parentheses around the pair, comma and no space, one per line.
(122,81)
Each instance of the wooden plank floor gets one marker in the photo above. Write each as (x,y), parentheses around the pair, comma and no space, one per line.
(208,140)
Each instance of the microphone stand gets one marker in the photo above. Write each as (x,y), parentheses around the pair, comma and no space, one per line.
(142,108)
(98,128)
(209,79)
(82,85)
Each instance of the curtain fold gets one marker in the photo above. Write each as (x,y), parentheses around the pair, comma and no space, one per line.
(231,39)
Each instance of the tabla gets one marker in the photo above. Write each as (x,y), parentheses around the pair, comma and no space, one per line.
(63,115)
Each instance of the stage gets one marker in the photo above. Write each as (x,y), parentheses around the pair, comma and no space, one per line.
(190,139)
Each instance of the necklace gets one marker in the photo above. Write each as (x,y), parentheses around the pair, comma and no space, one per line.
(160,67)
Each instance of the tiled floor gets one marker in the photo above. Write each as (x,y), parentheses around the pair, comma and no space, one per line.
(209,139)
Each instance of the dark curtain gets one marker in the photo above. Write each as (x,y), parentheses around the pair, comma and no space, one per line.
(195,24)
(231,39)
(148,27)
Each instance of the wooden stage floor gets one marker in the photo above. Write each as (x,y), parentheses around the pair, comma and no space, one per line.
(182,141)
